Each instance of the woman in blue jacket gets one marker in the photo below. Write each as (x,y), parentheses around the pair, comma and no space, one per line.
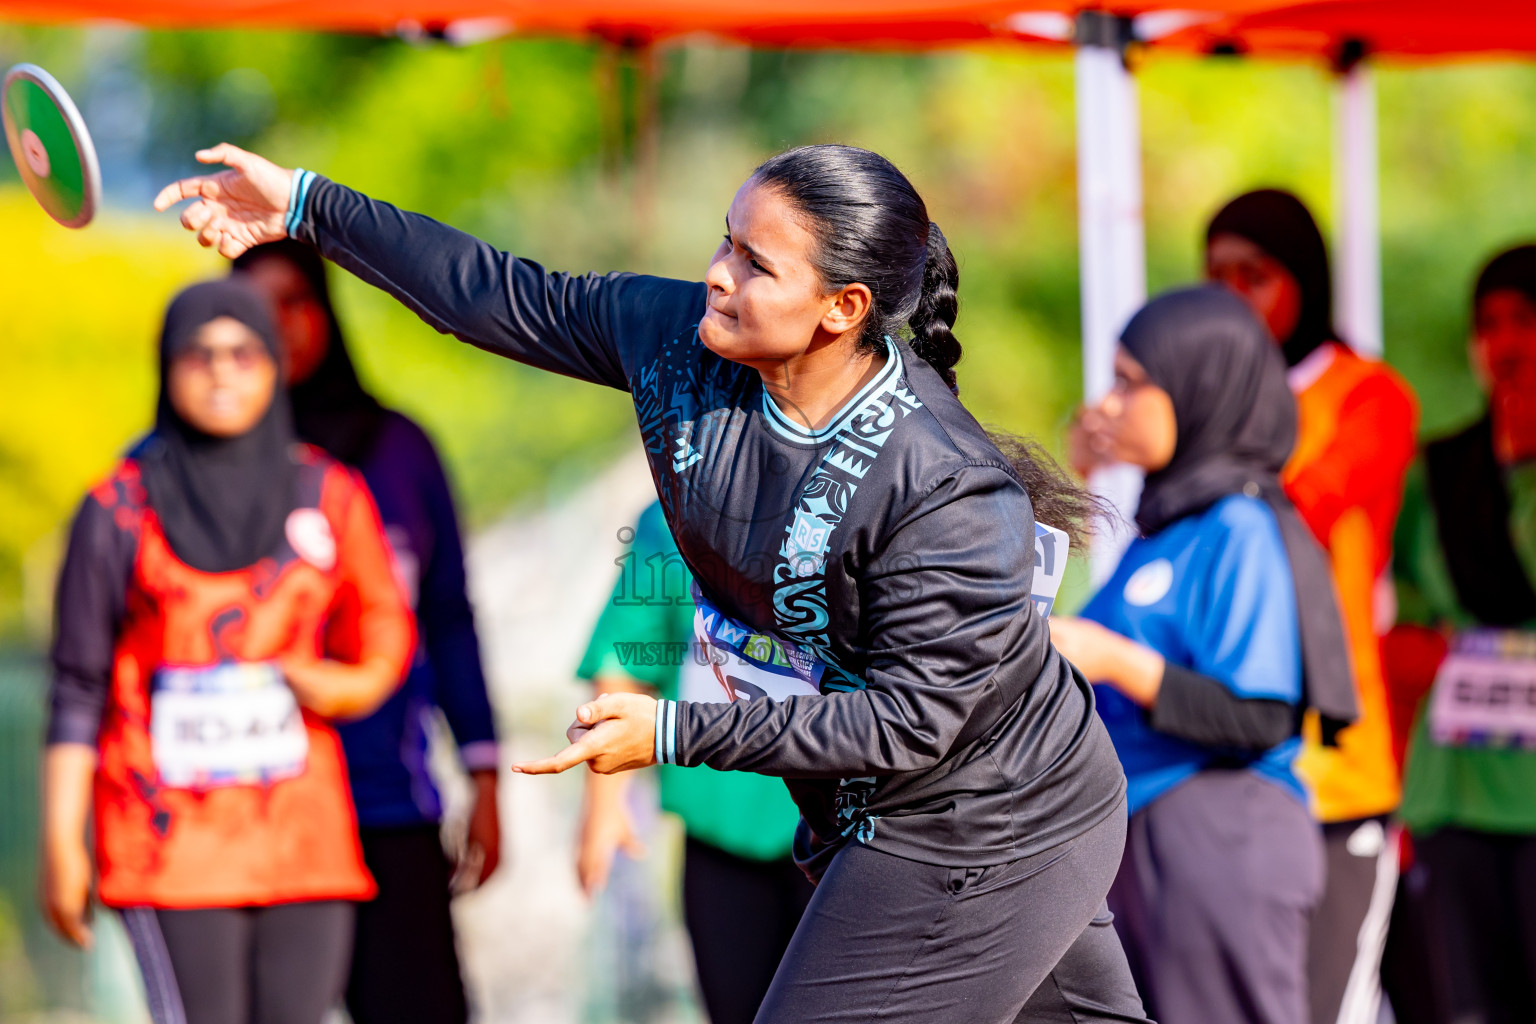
(1217,629)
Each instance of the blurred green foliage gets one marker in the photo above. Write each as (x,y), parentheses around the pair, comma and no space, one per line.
(531,144)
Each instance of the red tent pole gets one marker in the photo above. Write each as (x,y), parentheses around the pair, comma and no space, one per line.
(1111,237)
(1357,201)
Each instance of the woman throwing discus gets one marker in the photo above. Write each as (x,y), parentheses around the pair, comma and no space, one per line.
(863,553)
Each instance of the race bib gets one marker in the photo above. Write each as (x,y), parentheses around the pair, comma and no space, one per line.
(730,661)
(224,725)
(1485,692)
(1051,547)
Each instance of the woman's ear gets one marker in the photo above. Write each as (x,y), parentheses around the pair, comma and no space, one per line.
(849,306)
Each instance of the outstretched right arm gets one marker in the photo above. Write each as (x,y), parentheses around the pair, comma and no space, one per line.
(590,327)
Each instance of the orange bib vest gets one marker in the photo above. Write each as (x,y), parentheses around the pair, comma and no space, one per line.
(166,840)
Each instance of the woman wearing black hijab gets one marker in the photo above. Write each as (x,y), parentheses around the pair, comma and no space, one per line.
(1216,630)
(1356,436)
(1265,246)
(226,592)
(404,966)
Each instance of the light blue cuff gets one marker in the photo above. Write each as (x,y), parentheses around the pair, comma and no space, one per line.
(666,732)
(298,192)
(671,732)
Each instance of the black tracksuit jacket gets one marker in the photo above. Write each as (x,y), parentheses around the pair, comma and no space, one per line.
(894,548)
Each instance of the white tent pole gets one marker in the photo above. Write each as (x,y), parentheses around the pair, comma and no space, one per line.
(1111,238)
(1357,200)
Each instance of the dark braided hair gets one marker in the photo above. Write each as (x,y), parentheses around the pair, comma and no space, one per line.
(870,226)
(933,321)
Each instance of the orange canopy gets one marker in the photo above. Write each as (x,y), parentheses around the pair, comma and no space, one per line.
(844,23)
(1406,27)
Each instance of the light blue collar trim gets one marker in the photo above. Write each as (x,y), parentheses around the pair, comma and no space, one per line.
(882,382)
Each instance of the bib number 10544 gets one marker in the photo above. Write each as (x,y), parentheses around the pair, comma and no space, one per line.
(235,723)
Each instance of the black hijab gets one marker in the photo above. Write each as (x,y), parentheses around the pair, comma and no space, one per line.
(1471,499)
(330,407)
(1236,421)
(223,502)
(1280,224)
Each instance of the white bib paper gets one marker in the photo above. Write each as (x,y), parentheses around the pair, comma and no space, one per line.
(729,661)
(222,725)
(1485,691)
(1051,547)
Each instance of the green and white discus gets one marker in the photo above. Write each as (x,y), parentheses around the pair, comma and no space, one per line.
(50,145)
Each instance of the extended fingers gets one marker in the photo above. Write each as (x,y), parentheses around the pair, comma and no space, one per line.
(224,153)
(176,191)
(204,219)
(197,216)
(231,247)
(205,186)
(568,758)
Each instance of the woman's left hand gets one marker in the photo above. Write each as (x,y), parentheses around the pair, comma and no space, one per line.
(336,689)
(1105,656)
(1082,643)
(614,733)
(482,841)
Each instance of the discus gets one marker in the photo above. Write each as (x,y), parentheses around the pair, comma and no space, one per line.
(51,147)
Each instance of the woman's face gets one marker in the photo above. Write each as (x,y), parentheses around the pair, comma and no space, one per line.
(1504,338)
(1134,423)
(1259,279)
(222,383)
(1504,357)
(302,325)
(766,302)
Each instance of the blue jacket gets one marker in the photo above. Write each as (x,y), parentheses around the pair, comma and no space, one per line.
(1211,593)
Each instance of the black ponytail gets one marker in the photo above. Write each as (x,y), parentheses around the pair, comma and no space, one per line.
(933,321)
(872,227)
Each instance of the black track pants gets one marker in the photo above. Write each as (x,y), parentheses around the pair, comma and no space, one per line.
(740,915)
(405,969)
(285,964)
(1482,906)
(902,942)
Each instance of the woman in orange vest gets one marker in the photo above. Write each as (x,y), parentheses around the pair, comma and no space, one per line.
(225,594)
(1357,426)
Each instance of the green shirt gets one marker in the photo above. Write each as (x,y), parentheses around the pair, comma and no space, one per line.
(645,634)
(1487,789)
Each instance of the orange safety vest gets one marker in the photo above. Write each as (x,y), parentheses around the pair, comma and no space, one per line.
(183,842)
(1355,442)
